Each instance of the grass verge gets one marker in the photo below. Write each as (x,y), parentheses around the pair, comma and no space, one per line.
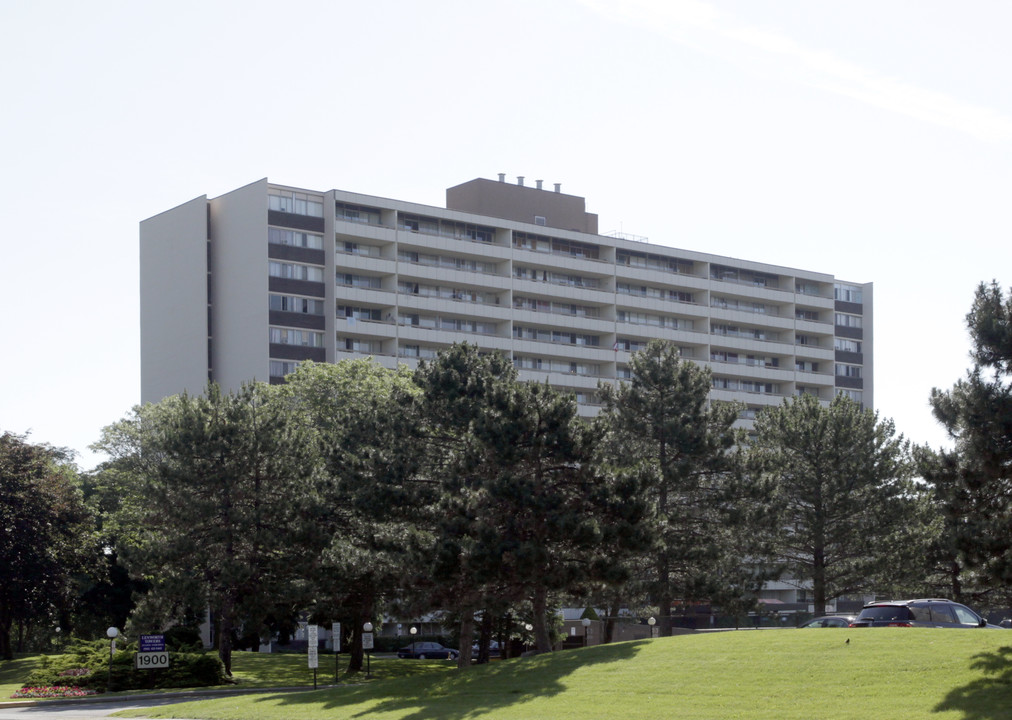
(13,674)
(912,673)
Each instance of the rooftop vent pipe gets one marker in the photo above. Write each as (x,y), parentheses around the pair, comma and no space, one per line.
(502,177)
(558,187)
(538,182)
(520,180)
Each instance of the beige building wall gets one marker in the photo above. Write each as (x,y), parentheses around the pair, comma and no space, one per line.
(173,290)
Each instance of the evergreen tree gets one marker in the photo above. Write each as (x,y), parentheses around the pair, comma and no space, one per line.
(373,505)
(223,486)
(843,479)
(707,518)
(974,478)
(524,514)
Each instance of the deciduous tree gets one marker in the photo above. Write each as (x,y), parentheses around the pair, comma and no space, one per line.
(46,534)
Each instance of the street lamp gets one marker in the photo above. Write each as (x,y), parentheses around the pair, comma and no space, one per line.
(651,621)
(413,631)
(111,633)
(586,630)
(368,656)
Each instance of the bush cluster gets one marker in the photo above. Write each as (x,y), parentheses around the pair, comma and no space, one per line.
(85,664)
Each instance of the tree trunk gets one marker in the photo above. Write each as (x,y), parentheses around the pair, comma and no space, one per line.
(542,640)
(484,637)
(466,635)
(819,581)
(609,624)
(957,586)
(355,657)
(225,627)
(6,653)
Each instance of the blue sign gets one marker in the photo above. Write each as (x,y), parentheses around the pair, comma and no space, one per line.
(152,643)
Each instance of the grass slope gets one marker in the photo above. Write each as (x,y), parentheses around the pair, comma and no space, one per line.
(884,673)
(13,673)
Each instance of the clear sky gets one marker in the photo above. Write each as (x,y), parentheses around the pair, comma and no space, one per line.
(869,139)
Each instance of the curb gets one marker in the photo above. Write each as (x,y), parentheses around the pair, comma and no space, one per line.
(182,695)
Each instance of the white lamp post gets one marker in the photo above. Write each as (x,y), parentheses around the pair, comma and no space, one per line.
(586,630)
(651,621)
(111,633)
(413,631)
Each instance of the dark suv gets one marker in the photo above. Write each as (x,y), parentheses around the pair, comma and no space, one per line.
(931,612)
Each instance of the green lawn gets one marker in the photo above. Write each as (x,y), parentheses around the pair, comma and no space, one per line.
(889,673)
(13,673)
(253,670)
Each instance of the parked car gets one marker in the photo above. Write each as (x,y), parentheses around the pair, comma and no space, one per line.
(925,612)
(428,651)
(829,621)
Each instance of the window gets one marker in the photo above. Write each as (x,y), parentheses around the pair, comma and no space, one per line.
(295,202)
(357,213)
(360,313)
(280,368)
(359,281)
(851,321)
(350,344)
(805,366)
(296,271)
(290,336)
(743,277)
(651,261)
(540,220)
(357,248)
(293,303)
(852,371)
(855,395)
(810,315)
(294,238)
(847,293)
(743,305)
(845,345)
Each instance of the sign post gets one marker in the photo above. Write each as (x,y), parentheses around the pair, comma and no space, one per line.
(367,645)
(151,653)
(312,645)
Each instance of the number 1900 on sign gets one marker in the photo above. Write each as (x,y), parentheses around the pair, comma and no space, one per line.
(151,660)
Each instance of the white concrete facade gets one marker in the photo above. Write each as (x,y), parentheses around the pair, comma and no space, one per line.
(297,274)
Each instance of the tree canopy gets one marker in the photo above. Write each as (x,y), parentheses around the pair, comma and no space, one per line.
(222,492)
(841,475)
(46,534)
(975,476)
(661,428)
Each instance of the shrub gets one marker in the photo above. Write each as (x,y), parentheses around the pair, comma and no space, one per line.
(86,665)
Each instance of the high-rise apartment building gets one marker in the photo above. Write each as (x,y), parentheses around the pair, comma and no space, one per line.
(249,284)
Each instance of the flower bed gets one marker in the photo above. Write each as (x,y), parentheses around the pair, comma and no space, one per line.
(51,691)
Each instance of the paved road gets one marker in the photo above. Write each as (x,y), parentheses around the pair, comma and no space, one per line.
(79,710)
(98,708)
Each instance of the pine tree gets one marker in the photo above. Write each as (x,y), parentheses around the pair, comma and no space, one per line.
(975,476)
(843,478)
(223,486)
(662,429)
